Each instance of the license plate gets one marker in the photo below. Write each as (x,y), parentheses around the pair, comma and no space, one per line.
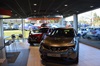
(53,55)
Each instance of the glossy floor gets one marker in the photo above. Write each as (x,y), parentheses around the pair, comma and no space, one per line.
(88,56)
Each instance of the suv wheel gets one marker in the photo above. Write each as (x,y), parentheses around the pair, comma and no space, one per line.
(43,57)
(76,60)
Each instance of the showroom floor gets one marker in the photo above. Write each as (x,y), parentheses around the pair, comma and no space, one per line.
(29,55)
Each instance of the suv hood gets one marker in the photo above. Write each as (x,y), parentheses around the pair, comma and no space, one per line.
(58,41)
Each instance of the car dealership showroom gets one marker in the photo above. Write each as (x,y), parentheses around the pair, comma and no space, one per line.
(49,32)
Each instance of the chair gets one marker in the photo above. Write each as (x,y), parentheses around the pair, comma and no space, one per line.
(13,37)
(20,36)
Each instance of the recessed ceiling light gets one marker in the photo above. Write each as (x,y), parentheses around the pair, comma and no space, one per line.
(65,5)
(34,16)
(77,11)
(34,10)
(68,14)
(15,14)
(91,6)
(34,4)
(57,11)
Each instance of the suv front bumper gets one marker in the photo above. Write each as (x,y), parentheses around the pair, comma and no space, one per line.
(69,53)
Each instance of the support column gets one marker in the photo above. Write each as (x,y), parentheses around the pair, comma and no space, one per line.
(2,47)
(75,22)
(62,22)
(23,28)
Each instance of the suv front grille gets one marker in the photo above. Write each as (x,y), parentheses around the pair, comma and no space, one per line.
(55,48)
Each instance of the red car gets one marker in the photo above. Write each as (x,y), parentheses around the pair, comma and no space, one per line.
(35,36)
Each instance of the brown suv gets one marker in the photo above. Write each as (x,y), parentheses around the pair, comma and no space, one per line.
(60,43)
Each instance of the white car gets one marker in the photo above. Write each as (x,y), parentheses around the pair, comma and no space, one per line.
(93,34)
(25,26)
(15,26)
(6,26)
(82,31)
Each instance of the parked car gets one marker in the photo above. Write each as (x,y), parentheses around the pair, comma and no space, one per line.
(53,25)
(35,36)
(93,34)
(60,43)
(33,27)
(82,31)
(6,26)
(15,26)
(25,26)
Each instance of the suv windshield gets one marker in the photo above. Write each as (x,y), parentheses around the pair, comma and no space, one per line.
(62,33)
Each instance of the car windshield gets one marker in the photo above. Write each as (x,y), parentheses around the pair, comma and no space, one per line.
(44,30)
(62,33)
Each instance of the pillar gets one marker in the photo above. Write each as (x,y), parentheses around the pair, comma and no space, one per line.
(22,28)
(62,22)
(75,22)
(2,47)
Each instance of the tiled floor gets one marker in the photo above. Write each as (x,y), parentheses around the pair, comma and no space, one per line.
(88,56)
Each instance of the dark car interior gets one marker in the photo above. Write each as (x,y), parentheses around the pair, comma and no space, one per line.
(64,33)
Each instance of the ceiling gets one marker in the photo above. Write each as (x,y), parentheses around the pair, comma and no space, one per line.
(48,8)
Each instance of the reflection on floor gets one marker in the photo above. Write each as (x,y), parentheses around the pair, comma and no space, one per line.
(93,43)
(18,47)
(88,56)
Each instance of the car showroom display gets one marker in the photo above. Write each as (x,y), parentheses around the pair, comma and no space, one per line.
(35,36)
(60,43)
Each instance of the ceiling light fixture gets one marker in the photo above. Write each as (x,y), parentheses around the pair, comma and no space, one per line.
(57,11)
(34,4)
(5,13)
(77,11)
(15,14)
(91,6)
(34,10)
(65,5)
(68,14)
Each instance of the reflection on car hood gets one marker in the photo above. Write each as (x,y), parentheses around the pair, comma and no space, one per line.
(58,42)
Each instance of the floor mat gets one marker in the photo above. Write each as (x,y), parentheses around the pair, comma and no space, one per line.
(12,56)
(22,58)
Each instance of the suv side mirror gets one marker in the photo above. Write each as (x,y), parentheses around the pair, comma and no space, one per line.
(48,34)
